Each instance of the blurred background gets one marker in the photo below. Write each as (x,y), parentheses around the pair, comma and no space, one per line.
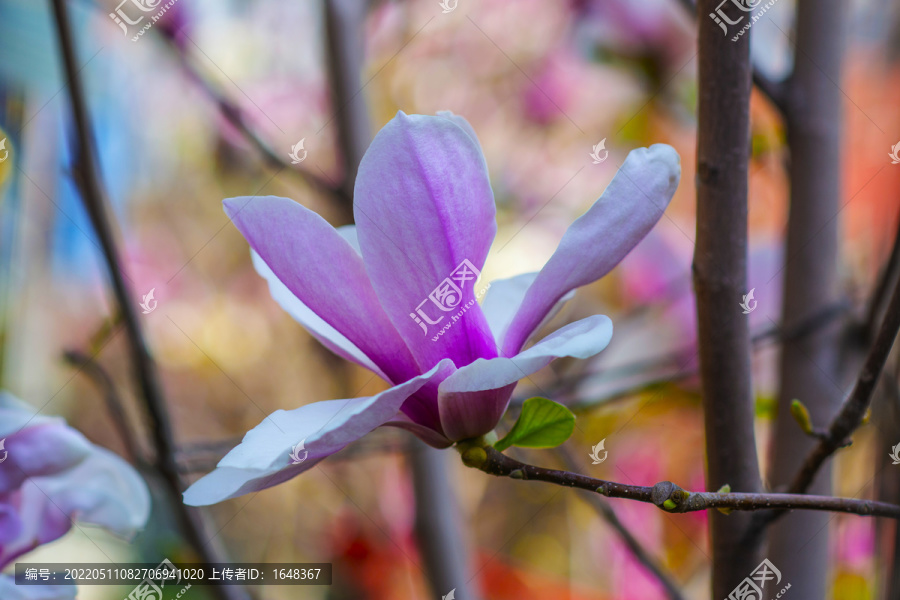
(208,104)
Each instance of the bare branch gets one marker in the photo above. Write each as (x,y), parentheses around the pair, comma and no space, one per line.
(889,274)
(114,404)
(857,404)
(666,495)
(235,116)
(93,197)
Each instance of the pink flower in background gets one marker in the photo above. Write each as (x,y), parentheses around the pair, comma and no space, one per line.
(396,294)
(51,477)
(854,546)
(659,272)
(555,85)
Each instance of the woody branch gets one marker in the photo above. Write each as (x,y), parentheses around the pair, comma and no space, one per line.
(665,494)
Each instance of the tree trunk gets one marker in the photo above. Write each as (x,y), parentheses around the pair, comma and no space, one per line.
(720,280)
(798,542)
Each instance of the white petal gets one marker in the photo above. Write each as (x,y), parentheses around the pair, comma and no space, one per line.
(102,490)
(315,325)
(15,415)
(581,339)
(503,299)
(264,457)
(348,232)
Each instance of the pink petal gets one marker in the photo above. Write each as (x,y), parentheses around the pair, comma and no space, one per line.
(424,209)
(473,399)
(635,200)
(325,273)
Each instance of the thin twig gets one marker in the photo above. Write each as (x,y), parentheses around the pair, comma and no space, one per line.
(235,116)
(888,275)
(94,199)
(567,385)
(666,495)
(114,404)
(854,408)
(634,545)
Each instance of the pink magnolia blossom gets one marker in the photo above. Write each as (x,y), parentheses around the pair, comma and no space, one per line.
(396,294)
(51,477)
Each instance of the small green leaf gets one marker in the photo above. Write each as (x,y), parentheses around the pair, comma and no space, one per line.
(725,489)
(542,424)
(801,415)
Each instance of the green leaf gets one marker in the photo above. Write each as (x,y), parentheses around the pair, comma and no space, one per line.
(801,415)
(542,424)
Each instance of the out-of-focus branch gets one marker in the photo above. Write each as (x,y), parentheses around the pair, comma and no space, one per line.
(666,495)
(114,405)
(720,279)
(809,365)
(854,408)
(345,54)
(562,389)
(438,525)
(93,197)
(886,279)
(637,550)
(235,116)
(203,457)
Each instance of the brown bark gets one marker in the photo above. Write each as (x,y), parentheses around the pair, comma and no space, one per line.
(720,280)
(798,542)
(93,196)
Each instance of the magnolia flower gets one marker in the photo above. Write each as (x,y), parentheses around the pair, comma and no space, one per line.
(395,294)
(52,476)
